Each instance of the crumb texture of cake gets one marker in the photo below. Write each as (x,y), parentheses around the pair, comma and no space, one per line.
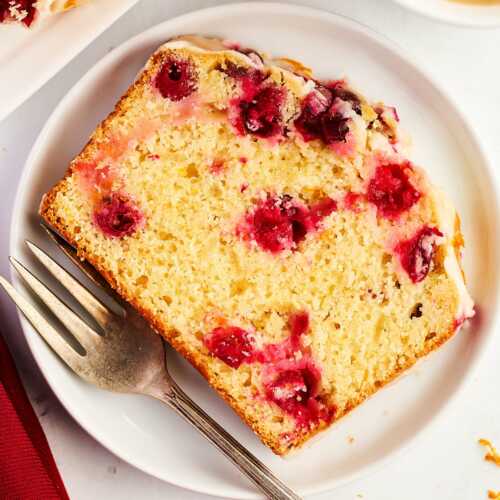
(271,227)
(492,454)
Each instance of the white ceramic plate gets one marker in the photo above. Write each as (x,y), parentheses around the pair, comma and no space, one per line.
(148,435)
(30,57)
(463,14)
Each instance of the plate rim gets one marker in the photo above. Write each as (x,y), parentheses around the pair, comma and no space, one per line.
(313,13)
(37,83)
(447,19)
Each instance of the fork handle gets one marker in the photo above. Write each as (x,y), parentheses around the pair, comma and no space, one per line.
(250,465)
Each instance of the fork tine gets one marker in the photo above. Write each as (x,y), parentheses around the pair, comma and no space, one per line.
(84,266)
(72,358)
(87,337)
(89,302)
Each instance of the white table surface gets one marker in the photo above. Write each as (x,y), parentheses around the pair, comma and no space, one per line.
(446,463)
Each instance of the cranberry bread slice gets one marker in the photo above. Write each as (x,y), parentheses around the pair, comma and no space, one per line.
(271,228)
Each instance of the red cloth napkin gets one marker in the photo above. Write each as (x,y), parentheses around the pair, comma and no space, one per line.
(27,468)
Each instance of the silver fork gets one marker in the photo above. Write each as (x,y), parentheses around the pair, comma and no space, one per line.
(128,357)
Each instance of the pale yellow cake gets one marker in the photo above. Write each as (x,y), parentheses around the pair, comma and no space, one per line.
(271,228)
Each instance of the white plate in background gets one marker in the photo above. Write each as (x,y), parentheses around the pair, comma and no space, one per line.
(462,14)
(29,57)
(148,435)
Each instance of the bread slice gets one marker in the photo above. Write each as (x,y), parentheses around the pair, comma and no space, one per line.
(27,11)
(271,228)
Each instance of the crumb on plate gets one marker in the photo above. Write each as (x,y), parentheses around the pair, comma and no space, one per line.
(492,455)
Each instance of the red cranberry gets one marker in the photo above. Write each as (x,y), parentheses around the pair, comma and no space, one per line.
(282,223)
(334,128)
(23,6)
(417,253)
(231,345)
(262,115)
(273,225)
(117,216)
(318,119)
(295,391)
(176,78)
(258,110)
(278,224)
(308,123)
(391,191)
